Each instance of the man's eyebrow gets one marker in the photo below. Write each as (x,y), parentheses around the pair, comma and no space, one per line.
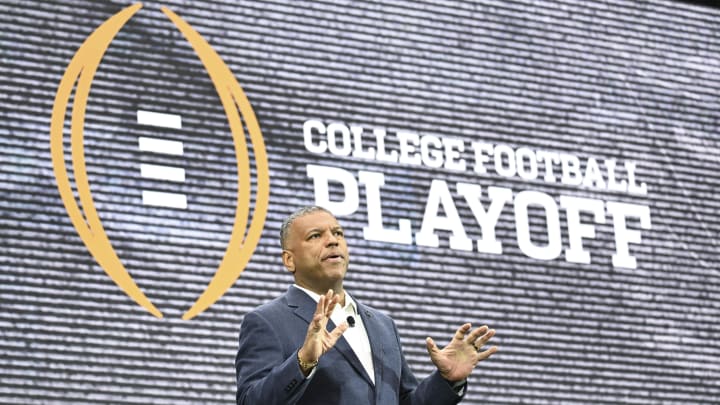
(321,229)
(312,230)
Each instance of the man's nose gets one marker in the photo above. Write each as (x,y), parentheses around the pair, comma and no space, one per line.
(332,240)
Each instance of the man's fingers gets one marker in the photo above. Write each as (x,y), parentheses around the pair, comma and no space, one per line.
(487,353)
(320,307)
(326,304)
(338,331)
(430,345)
(316,324)
(329,299)
(478,332)
(461,331)
(331,305)
(482,340)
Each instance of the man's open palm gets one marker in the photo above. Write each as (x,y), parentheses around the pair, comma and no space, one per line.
(457,360)
(318,340)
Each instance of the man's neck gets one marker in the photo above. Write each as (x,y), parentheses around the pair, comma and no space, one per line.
(316,293)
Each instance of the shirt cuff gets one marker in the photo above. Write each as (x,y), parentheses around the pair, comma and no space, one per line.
(312,373)
(458,387)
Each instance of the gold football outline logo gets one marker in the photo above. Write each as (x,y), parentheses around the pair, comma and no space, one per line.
(79,75)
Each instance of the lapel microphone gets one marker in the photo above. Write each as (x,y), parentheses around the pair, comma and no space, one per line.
(351,321)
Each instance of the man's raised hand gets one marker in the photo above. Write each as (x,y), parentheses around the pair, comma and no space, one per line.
(318,340)
(457,360)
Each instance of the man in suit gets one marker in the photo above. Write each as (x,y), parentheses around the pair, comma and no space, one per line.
(316,345)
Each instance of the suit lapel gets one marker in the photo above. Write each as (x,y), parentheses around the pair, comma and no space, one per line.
(344,348)
(303,305)
(374,331)
(305,309)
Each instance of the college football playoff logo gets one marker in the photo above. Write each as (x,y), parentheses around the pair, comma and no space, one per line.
(244,236)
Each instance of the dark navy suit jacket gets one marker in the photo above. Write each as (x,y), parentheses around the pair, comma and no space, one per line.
(268,371)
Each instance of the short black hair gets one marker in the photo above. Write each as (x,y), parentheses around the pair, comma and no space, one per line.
(287,222)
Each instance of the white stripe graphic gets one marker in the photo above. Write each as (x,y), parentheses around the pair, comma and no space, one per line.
(163,146)
(162,172)
(163,199)
(157,119)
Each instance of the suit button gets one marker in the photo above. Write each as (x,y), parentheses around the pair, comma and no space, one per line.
(291,385)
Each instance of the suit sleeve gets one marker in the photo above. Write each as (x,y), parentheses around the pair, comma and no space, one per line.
(433,390)
(264,374)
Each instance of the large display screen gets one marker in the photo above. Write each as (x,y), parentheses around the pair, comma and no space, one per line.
(548,168)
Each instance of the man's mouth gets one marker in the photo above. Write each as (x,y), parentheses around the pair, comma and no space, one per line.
(333,257)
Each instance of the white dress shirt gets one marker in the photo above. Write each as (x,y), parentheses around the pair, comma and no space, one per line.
(356,336)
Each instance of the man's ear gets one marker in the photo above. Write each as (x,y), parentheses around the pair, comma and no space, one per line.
(288,261)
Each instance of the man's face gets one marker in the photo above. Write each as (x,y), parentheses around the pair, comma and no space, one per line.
(316,252)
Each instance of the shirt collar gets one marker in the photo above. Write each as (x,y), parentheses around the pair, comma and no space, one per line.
(350,305)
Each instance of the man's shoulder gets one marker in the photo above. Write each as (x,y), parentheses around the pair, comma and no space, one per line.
(271,314)
(374,312)
(276,304)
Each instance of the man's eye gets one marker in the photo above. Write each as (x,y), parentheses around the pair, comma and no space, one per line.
(313,236)
(339,233)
